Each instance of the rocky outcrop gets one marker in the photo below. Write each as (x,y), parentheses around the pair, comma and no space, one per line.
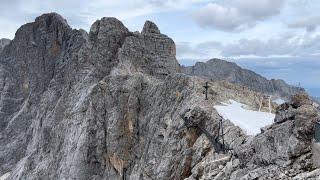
(282,151)
(108,104)
(3,43)
(33,70)
(149,53)
(150,27)
(72,111)
(217,69)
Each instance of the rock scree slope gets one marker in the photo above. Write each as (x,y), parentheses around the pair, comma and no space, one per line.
(108,104)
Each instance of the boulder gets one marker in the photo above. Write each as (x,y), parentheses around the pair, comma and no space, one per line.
(284,112)
(300,99)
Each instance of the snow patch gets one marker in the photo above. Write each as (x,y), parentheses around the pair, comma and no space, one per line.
(248,120)
(5,176)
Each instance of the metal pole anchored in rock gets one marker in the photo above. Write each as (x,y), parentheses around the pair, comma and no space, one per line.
(222,136)
(316,145)
(124,174)
(206,91)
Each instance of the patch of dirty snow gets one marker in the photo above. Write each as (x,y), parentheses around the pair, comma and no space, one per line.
(5,176)
(248,120)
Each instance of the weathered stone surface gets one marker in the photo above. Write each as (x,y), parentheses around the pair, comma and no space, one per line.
(149,53)
(150,27)
(108,104)
(281,151)
(27,67)
(284,112)
(316,154)
(313,175)
(3,42)
(300,99)
(76,107)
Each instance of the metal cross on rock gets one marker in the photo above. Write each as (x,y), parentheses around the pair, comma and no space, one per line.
(206,91)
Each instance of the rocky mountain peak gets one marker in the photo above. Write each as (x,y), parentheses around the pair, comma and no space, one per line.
(35,51)
(106,37)
(47,30)
(150,27)
(106,26)
(50,19)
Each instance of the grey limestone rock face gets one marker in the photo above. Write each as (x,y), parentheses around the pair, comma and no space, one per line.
(149,53)
(4,42)
(108,104)
(72,111)
(282,151)
(150,27)
(32,77)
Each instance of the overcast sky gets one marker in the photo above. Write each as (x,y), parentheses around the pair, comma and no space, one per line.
(276,38)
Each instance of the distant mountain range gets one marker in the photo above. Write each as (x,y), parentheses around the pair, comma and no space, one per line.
(217,69)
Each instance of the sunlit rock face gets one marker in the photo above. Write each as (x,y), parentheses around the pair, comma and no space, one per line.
(109,103)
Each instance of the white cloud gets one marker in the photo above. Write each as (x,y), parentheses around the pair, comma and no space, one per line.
(236,15)
(82,13)
(297,46)
(201,50)
(287,45)
(310,24)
